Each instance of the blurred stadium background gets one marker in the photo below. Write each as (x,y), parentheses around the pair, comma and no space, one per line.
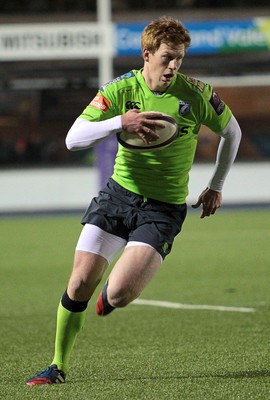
(51,67)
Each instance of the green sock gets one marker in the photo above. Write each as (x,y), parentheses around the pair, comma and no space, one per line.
(68,326)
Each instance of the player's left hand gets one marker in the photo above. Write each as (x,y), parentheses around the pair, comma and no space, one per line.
(210,201)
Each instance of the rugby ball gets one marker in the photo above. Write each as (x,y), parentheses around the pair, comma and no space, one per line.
(167,135)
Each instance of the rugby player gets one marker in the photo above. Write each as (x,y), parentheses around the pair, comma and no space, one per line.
(143,206)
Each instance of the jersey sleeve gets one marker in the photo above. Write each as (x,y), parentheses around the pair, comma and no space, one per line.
(216,113)
(101,107)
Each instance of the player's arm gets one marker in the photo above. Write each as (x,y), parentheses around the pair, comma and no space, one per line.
(211,197)
(85,134)
(227,150)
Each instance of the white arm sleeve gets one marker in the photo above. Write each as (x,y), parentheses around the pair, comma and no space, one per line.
(227,150)
(84,134)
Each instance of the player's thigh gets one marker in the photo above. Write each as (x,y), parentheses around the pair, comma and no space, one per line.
(98,241)
(132,272)
(94,251)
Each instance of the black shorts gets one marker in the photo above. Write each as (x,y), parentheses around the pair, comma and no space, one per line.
(129,216)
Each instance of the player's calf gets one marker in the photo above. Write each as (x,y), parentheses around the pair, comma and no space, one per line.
(103,307)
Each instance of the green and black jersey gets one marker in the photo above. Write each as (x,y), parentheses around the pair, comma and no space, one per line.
(163,174)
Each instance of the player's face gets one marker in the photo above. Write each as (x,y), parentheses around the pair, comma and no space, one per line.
(161,67)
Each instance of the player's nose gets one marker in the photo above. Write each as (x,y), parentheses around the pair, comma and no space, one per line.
(173,64)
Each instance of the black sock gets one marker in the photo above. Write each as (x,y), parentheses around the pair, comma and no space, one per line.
(72,305)
(107,307)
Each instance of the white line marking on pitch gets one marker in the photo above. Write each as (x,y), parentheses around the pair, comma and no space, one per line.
(168,304)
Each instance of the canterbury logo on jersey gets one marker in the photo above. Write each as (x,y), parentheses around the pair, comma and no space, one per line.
(131,105)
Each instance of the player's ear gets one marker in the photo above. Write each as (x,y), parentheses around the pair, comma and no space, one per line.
(146,54)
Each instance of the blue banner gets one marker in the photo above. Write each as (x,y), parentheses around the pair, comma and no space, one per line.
(207,37)
(128,39)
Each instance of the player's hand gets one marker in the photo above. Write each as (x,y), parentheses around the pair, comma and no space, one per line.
(141,124)
(210,201)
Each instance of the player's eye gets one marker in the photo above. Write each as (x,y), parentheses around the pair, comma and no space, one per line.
(167,58)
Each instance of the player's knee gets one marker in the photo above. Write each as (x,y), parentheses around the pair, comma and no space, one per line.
(121,298)
(82,289)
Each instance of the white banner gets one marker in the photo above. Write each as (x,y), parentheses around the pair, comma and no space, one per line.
(71,188)
(48,41)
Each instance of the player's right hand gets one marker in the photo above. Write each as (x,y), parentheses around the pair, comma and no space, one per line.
(142,124)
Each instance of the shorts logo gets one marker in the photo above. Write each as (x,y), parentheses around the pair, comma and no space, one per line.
(184,107)
(131,105)
(165,248)
(217,103)
(100,102)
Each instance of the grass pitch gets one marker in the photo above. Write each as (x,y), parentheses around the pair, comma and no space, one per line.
(143,352)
